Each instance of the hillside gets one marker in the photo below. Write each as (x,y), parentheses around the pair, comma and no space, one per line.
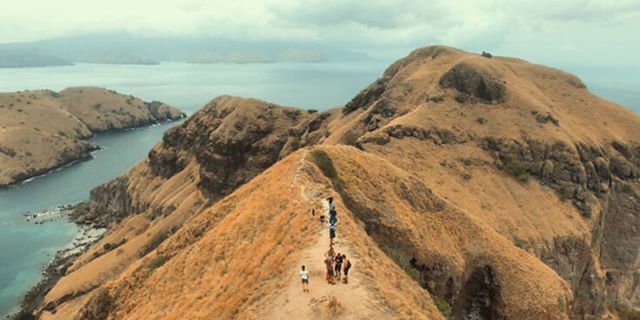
(42,130)
(468,187)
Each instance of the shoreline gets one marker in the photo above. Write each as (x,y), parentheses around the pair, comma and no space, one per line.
(56,268)
(88,156)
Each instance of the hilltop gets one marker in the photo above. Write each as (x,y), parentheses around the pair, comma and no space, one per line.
(41,130)
(468,186)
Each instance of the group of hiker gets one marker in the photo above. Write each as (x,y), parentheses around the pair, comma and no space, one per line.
(337,264)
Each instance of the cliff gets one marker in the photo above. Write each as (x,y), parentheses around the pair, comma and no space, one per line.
(42,130)
(467,186)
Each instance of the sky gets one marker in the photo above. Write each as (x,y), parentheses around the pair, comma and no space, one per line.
(567,32)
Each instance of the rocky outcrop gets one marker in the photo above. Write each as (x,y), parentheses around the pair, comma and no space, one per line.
(601,182)
(233,140)
(110,202)
(476,83)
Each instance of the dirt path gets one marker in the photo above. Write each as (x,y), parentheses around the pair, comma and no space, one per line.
(325,301)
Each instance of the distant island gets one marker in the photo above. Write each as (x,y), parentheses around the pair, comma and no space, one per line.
(43,129)
(128,49)
(26,59)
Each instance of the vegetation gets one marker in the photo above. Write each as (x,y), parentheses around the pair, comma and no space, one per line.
(403,260)
(110,246)
(157,262)
(324,162)
(585,210)
(154,242)
(443,306)
(349,138)
(562,305)
(520,243)
(8,151)
(625,312)
(98,307)
(519,169)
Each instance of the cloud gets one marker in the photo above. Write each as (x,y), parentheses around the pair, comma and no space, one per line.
(547,31)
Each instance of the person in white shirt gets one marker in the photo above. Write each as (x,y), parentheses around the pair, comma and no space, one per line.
(304,275)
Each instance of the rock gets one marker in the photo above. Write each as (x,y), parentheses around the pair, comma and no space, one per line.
(471,80)
(367,96)
(621,167)
(602,167)
(547,118)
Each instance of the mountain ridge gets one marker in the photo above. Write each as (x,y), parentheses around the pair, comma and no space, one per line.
(474,175)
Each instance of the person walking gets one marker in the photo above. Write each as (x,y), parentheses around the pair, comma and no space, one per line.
(331,253)
(304,276)
(338,266)
(347,267)
(332,233)
(329,264)
(333,214)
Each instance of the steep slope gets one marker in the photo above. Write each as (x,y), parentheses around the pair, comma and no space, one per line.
(490,188)
(220,147)
(523,147)
(41,130)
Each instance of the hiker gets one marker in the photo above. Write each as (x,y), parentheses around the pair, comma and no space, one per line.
(338,265)
(333,214)
(331,253)
(331,206)
(329,264)
(304,276)
(347,267)
(332,233)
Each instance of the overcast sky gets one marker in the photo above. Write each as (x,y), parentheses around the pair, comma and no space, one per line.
(567,32)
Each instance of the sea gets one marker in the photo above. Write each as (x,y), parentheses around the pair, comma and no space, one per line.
(26,247)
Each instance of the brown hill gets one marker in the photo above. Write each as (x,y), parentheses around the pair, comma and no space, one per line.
(467,187)
(41,130)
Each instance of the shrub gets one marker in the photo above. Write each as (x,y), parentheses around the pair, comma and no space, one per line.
(520,243)
(324,162)
(154,242)
(98,307)
(404,261)
(443,306)
(585,210)
(460,97)
(349,138)
(519,169)
(625,312)
(157,262)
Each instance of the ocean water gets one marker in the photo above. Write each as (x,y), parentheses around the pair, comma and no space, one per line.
(26,247)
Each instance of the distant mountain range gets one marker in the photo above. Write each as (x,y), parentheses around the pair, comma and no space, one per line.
(11,58)
(129,49)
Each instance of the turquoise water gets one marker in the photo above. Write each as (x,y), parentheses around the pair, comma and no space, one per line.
(25,247)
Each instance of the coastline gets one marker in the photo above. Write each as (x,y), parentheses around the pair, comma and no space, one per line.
(87,235)
(87,155)
(89,231)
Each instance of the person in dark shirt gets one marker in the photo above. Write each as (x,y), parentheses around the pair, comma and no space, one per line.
(347,267)
(338,266)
